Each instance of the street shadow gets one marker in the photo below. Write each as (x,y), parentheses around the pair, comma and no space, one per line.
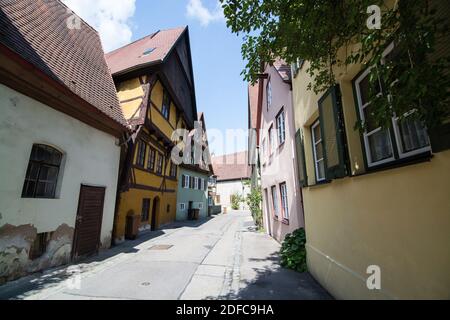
(279,283)
(31,284)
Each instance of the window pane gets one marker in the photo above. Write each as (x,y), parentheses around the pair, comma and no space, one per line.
(33,170)
(413,135)
(28,188)
(320,170)
(364,87)
(317,133)
(56,158)
(43,173)
(380,146)
(40,190)
(52,174)
(49,190)
(319,151)
(369,120)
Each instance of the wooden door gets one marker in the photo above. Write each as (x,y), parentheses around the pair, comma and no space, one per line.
(89,221)
(155,212)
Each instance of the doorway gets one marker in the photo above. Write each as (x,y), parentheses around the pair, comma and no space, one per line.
(88,223)
(155,211)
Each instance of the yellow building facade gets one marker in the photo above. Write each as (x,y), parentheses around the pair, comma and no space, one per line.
(395,216)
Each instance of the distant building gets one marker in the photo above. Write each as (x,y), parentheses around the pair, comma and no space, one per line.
(233,178)
(192,193)
(61,127)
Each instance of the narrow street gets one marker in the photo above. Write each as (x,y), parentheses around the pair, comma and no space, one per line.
(223,257)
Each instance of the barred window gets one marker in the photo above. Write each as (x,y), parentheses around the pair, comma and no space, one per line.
(42,173)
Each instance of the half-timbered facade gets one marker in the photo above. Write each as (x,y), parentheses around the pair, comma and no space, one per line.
(155,86)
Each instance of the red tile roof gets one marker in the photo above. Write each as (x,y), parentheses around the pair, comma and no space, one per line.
(38,31)
(231,166)
(132,55)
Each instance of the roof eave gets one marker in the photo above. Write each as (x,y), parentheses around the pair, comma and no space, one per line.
(137,67)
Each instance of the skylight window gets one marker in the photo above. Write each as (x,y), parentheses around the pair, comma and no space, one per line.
(148,51)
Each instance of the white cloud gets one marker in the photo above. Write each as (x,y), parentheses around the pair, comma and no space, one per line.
(111,18)
(197,10)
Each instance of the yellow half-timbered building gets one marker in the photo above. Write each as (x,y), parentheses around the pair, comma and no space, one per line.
(155,86)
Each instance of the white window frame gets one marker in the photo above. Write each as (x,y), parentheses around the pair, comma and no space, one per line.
(284,201)
(200,205)
(366,134)
(269,95)
(395,125)
(275,204)
(272,145)
(281,127)
(196,183)
(187,180)
(182,206)
(315,144)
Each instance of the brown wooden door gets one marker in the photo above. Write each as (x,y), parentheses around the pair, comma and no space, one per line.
(155,212)
(89,221)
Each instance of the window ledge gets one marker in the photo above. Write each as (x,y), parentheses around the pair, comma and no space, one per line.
(41,198)
(319,184)
(420,158)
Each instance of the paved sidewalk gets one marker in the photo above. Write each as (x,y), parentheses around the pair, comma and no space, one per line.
(219,258)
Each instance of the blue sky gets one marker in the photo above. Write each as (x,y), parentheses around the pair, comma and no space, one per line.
(217,61)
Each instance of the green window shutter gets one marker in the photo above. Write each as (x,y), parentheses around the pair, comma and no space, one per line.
(440,138)
(301,163)
(333,134)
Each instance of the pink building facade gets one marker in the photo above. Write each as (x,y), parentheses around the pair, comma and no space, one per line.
(282,196)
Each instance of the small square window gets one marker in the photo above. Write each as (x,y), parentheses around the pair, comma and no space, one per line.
(165,109)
